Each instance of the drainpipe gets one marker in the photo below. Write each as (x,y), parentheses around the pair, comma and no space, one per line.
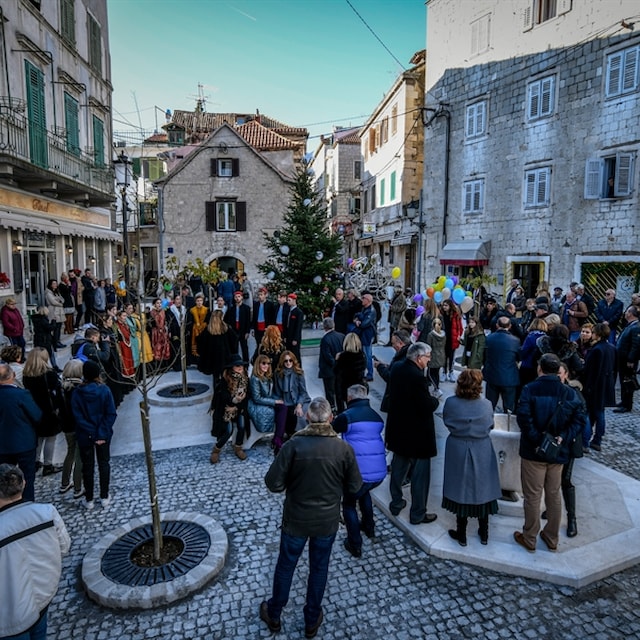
(160,230)
(4,55)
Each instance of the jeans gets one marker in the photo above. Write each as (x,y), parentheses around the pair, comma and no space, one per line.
(597,420)
(88,465)
(291,548)
(349,501)
(71,462)
(493,392)
(420,480)
(368,354)
(26,460)
(222,440)
(37,632)
(46,447)
(286,423)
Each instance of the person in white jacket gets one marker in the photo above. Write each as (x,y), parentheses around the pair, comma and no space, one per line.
(33,539)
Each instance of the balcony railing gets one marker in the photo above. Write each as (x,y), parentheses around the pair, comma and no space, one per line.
(41,148)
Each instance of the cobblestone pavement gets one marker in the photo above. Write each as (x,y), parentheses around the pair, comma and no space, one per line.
(394,591)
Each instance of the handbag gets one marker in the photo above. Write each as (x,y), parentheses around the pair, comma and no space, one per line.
(631,382)
(549,448)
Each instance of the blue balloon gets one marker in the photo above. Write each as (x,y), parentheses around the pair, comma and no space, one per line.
(165,303)
(448,283)
(458,295)
(437,297)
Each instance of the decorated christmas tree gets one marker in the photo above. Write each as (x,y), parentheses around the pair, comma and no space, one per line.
(304,257)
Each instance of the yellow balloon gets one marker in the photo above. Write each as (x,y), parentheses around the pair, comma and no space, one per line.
(439,286)
(395,272)
(442,279)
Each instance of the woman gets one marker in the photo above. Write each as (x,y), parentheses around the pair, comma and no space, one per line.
(408,320)
(100,299)
(261,402)
(199,315)
(425,322)
(214,347)
(529,313)
(474,343)
(229,406)
(71,379)
(271,345)
(13,324)
(529,352)
(113,366)
(452,325)
(396,309)
(69,307)
(12,355)
(585,340)
(43,334)
(558,342)
(436,340)
(55,304)
(519,301)
(124,341)
(290,387)
(350,368)
(140,341)
(39,378)
(157,321)
(471,479)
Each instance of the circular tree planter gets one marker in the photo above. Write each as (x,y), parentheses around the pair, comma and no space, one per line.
(114,580)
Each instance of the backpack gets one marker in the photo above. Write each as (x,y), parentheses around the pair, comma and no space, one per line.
(80,355)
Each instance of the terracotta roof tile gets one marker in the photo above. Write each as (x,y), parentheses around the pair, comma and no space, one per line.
(191,120)
(157,138)
(259,137)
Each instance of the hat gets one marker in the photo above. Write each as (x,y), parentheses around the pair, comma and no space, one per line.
(90,371)
(557,289)
(262,290)
(235,361)
(491,300)
(542,307)
(238,293)
(293,296)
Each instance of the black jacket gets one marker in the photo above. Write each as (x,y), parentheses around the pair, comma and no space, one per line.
(341,315)
(269,314)
(330,345)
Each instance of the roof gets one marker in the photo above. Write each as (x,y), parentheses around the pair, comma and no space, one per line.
(347,136)
(260,137)
(157,138)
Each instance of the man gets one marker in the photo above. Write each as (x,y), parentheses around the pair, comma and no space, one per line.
(365,322)
(546,405)
(511,293)
(355,306)
(500,371)
(176,317)
(314,467)
(330,345)
(574,315)
(282,312)
(19,417)
(33,540)
(489,310)
(238,318)
(247,290)
(609,311)
(509,311)
(13,324)
(628,354)
(92,348)
(226,289)
(88,295)
(263,316)
(362,428)
(556,302)
(340,312)
(400,341)
(188,301)
(410,432)
(293,330)
(583,296)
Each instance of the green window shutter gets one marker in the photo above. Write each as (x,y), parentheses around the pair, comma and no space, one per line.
(155,170)
(136,167)
(382,192)
(68,21)
(37,115)
(71,124)
(98,142)
(392,186)
(95,44)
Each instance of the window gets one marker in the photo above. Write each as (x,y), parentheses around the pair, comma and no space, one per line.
(357,170)
(334,208)
(226,215)
(98,142)
(36,111)
(372,199)
(536,187)
(540,98)
(476,119)
(71,124)
(480,35)
(382,185)
(95,44)
(539,11)
(394,119)
(365,205)
(392,186)
(354,205)
(225,167)
(68,21)
(473,196)
(384,131)
(372,140)
(623,72)
(609,177)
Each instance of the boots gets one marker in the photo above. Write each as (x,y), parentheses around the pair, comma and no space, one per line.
(569,495)
(483,529)
(460,532)
(215,455)
(239,451)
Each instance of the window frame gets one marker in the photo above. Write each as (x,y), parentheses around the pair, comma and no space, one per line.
(537,86)
(537,173)
(357,169)
(622,54)
(94,44)
(217,164)
(598,172)
(472,114)
(212,211)
(470,190)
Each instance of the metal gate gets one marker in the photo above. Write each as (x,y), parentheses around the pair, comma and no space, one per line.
(623,277)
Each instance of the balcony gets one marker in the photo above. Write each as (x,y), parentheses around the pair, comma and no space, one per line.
(40,162)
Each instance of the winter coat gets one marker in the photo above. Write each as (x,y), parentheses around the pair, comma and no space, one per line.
(12,322)
(19,418)
(436,342)
(599,377)
(315,468)
(470,468)
(261,404)
(100,299)
(502,352)
(55,304)
(566,351)
(362,428)
(397,308)
(529,352)
(47,392)
(473,356)
(611,313)
(42,331)
(94,412)
(349,369)
(424,326)
(31,564)
(214,352)
(291,388)
(452,325)
(65,292)
(330,345)
(367,327)
(223,398)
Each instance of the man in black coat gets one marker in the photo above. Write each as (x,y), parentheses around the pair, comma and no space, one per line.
(282,312)
(628,354)
(400,341)
(238,319)
(176,315)
(330,345)
(410,432)
(340,312)
(293,330)
(263,316)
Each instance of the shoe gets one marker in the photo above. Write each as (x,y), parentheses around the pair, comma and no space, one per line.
(545,538)
(38,466)
(395,510)
(214,458)
(89,504)
(369,378)
(443,377)
(310,632)
(50,469)
(105,502)
(519,538)
(274,625)
(65,488)
(60,345)
(437,394)
(596,447)
(462,541)
(572,528)
(370,533)
(451,377)
(237,449)
(621,410)
(428,519)
(78,494)
(356,553)
(543,515)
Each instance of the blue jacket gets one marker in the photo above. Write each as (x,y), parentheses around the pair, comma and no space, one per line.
(362,428)
(19,415)
(367,328)
(501,355)
(94,412)
(611,313)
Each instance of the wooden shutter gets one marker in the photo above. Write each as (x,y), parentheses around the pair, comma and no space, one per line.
(530,188)
(37,115)
(98,142)
(623,181)
(546,91)
(527,17)
(630,70)
(235,167)
(95,44)
(614,72)
(210,216)
(241,216)
(214,166)
(471,121)
(68,21)
(392,186)
(71,124)
(467,197)
(542,191)
(593,179)
(534,100)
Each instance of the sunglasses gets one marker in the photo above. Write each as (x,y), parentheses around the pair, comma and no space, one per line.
(287,360)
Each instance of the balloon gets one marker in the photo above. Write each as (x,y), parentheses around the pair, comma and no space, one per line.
(419,311)
(395,272)
(437,297)
(455,279)
(430,292)
(123,284)
(449,283)
(306,202)
(466,305)
(165,303)
(442,280)
(446,293)
(439,286)
(317,279)
(319,255)
(271,275)
(469,294)
(284,250)
(458,295)
(417,298)
(167,286)
(350,261)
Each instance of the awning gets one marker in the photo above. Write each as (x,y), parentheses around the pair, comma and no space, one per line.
(30,222)
(466,253)
(401,240)
(381,238)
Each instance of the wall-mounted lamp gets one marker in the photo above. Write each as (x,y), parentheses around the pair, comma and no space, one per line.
(69,249)
(17,246)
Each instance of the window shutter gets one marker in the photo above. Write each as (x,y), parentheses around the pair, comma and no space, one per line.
(98,142)
(530,186)
(480,111)
(527,17)
(614,71)
(467,196)
(623,182)
(564,6)
(235,167)
(37,115)
(470,120)
(630,70)
(478,196)
(534,100)
(543,187)
(214,166)
(136,167)
(547,96)
(593,179)
(241,216)
(210,216)
(71,124)
(68,21)
(392,186)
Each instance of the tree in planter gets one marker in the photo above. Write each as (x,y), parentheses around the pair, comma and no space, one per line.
(304,256)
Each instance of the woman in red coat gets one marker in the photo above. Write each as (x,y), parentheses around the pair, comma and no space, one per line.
(123,332)
(12,323)
(452,322)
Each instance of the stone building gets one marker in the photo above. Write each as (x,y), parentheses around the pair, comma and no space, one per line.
(531,142)
(56,180)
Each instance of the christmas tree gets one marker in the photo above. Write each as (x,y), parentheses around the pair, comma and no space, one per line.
(305,258)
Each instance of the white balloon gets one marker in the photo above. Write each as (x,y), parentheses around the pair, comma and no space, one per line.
(318,279)
(284,250)
(319,255)
(271,275)
(466,305)
(446,293)
(306,202)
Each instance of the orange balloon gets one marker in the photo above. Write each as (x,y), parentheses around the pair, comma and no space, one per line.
(430,292)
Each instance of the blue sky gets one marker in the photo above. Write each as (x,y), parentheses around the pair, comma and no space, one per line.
(300,61)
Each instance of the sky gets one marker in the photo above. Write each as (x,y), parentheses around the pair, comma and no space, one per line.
(310,63)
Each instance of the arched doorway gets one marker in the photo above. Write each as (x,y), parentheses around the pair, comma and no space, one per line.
(228,264)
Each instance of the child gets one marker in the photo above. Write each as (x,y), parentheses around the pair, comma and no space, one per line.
(436,339)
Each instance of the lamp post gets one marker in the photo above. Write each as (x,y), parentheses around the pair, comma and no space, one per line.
(123,180)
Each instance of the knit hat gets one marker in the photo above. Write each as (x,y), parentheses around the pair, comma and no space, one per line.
(90,371)
(293,296)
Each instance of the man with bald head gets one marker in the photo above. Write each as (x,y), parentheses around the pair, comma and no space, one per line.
(500,369)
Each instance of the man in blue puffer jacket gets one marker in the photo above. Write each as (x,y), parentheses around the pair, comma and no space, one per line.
(362,428)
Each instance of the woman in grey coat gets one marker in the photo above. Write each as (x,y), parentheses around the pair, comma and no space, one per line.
(471,480)
(261,402)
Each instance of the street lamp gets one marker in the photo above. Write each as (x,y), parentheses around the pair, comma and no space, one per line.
(123,179)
